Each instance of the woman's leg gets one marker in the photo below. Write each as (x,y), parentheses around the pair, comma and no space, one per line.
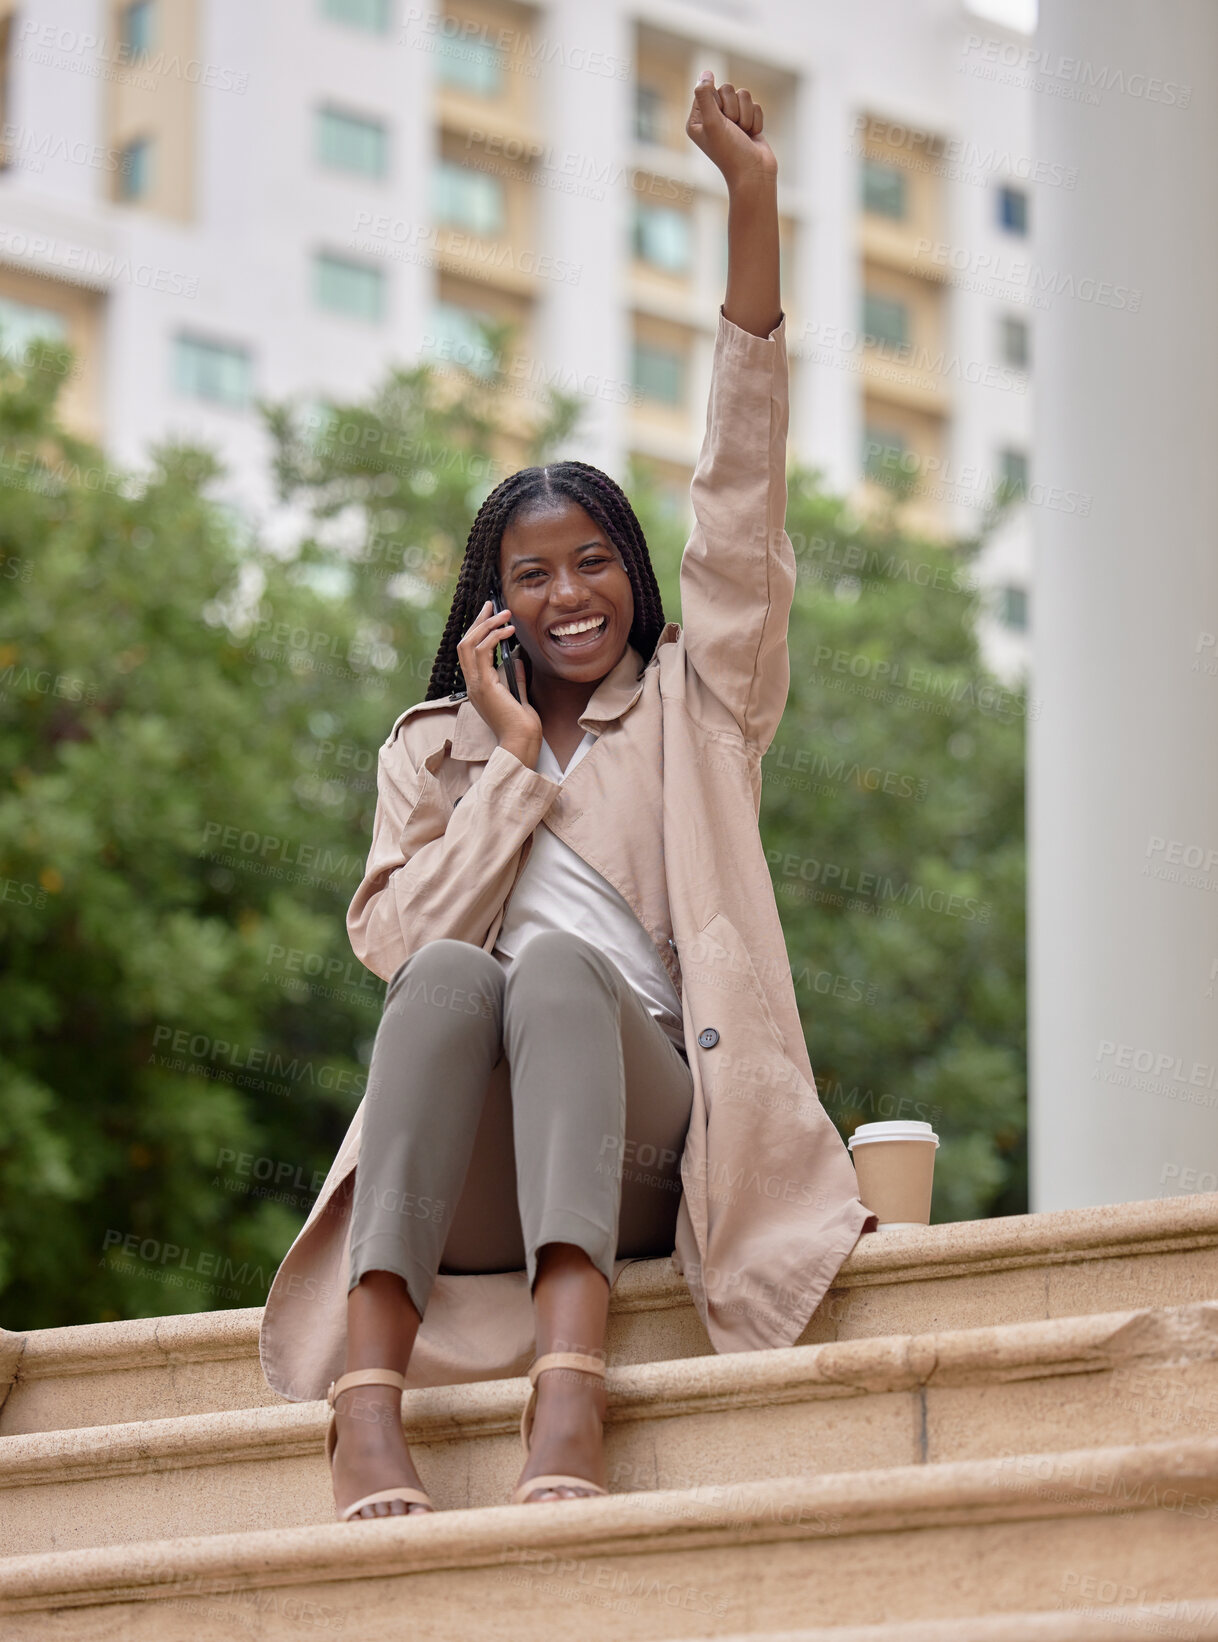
(601,1102)
(439,1037)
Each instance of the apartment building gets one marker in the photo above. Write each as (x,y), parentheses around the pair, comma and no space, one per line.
(217,203)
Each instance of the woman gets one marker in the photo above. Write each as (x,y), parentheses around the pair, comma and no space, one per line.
(533,1118)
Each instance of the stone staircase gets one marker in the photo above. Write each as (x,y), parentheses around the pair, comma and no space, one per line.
(992,1430)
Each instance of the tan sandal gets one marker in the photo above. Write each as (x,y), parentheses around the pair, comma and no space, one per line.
(552,1359)
(369,1376)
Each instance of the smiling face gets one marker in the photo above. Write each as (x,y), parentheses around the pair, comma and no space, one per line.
(556,567)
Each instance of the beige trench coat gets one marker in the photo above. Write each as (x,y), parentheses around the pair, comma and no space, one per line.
(665,805)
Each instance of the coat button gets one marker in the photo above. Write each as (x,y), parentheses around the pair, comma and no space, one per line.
(708,1037)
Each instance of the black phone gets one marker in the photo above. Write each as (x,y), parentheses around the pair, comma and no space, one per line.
(507,647)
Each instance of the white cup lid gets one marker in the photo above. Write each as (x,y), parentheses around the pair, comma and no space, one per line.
(896,1129)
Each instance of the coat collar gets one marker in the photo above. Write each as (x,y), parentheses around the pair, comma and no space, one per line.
(473,740)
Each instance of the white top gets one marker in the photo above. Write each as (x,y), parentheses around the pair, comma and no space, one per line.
(559,890)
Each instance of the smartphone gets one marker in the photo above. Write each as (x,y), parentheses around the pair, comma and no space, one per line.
(507,647)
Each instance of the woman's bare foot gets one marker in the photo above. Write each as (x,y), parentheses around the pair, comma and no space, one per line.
(370,1452)
(568,1421)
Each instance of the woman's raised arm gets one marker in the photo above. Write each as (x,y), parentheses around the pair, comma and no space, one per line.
(738,567)
(726,125)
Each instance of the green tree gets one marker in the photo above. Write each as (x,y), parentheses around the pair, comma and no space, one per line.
(892,815)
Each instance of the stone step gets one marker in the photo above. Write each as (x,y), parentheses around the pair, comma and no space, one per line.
(1089,1621)
(1016,1268)
(1011,1535)
(856,1405)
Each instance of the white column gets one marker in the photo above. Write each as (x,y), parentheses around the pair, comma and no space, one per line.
(1124,753)
(827,413)
(586,98)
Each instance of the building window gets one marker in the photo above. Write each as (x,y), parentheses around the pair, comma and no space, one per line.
(23,322)
(886,456)
(883,189)
(470,65)
(214,371)
(1013,472)
(346,287)
(134,178)
(662,237)
(135,26)
(361,14)
(351,143)
(885,320)
(462,198)
(1016,350)
(455,336)
(1012,607)
(659,373)
(1013,210)
(648,114)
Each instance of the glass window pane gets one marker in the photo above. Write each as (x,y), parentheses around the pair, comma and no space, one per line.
(363,14)
(212,370)
(883,189)
(351,143)
(1016,348)
(136,26)
(885,320)
(1013,210)
(22,322)
(462,198)
(662,237)
(134,178)
(648,114)
(1013,469)
(453,337)
(1013,607)
(884,455)
(348,287)
(470,65)
(659,373)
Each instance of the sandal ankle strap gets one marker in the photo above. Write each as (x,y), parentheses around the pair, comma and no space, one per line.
(364,1376)
(553,1359)
(566,1359)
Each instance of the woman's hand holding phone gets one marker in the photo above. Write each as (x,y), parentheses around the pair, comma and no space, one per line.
(515,723)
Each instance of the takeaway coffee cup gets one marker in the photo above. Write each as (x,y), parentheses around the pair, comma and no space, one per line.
(895,1164)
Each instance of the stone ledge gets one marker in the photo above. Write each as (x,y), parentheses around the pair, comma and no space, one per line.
(1153,1479)
(1087,1623)
(960,1249)
(991,1356)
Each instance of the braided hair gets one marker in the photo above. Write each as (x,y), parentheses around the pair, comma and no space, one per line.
(604,502)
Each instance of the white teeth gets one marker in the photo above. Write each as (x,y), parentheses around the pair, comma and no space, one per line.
(569,629)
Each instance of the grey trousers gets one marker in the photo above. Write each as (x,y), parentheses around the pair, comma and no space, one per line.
(507,1110)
